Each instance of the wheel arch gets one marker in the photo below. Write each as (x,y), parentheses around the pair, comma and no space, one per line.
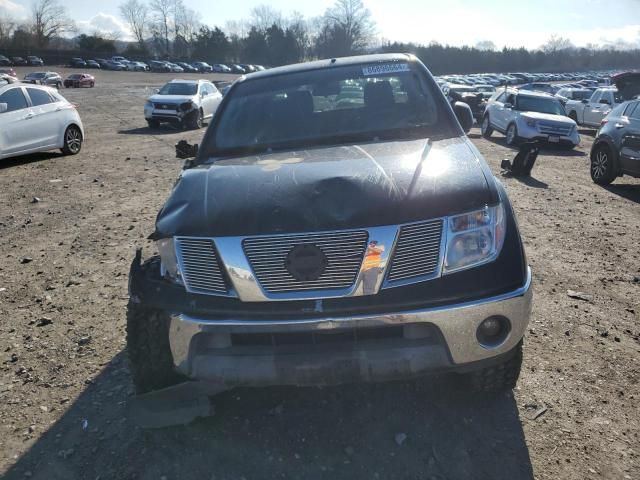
(609,143)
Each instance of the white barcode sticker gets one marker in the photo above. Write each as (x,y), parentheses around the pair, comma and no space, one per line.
(385,68)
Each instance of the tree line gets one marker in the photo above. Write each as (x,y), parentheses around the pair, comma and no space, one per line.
(169,29)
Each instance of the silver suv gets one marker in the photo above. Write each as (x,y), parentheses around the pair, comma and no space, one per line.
(187,103)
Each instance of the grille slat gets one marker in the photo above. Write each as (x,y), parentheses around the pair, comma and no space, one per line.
(200,266)
(344,252)
(417,251)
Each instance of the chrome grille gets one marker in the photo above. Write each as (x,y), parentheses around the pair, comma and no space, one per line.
(417,251)
(166,106)
(344,252)
(199,266)
(554,129)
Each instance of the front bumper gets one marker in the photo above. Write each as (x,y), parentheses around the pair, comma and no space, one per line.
(532,133)
(432,339)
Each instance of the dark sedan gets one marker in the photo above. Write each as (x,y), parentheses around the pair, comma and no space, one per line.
(35,61)
(18,61)
(77,62)
(51,79)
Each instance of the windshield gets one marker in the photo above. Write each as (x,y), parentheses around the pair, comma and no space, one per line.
(36,75)
(179,89)
(330,106)
(540,105)
(582,94)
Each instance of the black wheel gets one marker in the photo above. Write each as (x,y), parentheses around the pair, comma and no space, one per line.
(512,135)
(153,123)
(602,166)
(150,359)
(194,122)
(497,378)
(485,127)
(573,116)
(72,140)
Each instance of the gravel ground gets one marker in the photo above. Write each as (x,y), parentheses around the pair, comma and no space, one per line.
(64,381)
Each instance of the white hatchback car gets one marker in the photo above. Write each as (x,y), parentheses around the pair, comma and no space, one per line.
(35,118)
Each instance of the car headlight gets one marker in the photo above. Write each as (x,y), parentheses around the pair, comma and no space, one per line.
(186,106)
(168,260)
(149,104)
(474,238)
(531,123)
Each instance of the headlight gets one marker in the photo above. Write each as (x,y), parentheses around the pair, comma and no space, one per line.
(531,123)
(474,238)
(186,106)
(168,260)
(149,104)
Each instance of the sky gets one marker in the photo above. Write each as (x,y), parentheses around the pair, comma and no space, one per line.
(512,23)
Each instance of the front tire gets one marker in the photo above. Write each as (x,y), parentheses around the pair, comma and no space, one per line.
(602,167)
(148,348)
(72,140)
(512,135)
(485,127)
(195,120)
(497,378)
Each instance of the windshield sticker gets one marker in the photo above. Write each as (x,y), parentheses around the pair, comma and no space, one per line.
(385,68)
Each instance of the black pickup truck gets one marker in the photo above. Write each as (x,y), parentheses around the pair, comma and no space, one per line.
(335,225)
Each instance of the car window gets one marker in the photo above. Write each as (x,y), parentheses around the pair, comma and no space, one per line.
(179,89)
(540,104)
(501,97)
(634,112)
(39,97)
(595,98)
(331,106)
(511,98)
(14,99)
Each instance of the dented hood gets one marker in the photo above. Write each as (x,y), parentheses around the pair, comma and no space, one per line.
(328,188)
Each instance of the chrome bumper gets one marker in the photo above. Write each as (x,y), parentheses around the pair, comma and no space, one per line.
(457,323)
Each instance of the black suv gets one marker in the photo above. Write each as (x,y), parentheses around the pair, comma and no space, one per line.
(616,148)
(335,225)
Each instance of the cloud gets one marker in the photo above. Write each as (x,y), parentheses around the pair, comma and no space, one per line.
(104,24)
(13,9)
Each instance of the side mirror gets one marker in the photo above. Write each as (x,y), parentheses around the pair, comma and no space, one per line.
(3,107)
(508,106)
(585,100)
(464,115)
(185,150)
(157,90)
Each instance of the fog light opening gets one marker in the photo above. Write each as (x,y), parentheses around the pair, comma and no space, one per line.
(493,331)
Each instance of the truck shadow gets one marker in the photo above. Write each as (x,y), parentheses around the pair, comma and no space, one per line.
(426,429)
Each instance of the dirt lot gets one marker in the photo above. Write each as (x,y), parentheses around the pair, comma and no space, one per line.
(64,381)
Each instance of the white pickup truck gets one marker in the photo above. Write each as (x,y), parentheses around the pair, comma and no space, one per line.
(591,112)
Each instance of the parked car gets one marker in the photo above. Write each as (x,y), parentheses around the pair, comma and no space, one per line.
(366,243)
(616,148)
(77,80)
(237,69)
(77,62)
(487,91)
(115,66)
(6,79)
(137,66)
(8,71)
(19,61)
(159,66)
(590,111)
(470,96)
(35,61)
(529,115)
(35,118)
(5,62)
(119,59)
(184,102)
(93,64)
(572,93)
(221,68)
(540,87)
(187,68)
(174,68)
(52,79)
(202,67)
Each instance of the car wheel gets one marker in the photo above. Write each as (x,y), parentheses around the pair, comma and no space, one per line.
(150,360)
(92,84)
(195,120)
(72,140)
(485,127)
(497,378)
(512,135)
(153,123)
(602,167)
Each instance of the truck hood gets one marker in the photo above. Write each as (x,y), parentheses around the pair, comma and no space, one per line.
(328,188)
(547,116)
(173,99)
